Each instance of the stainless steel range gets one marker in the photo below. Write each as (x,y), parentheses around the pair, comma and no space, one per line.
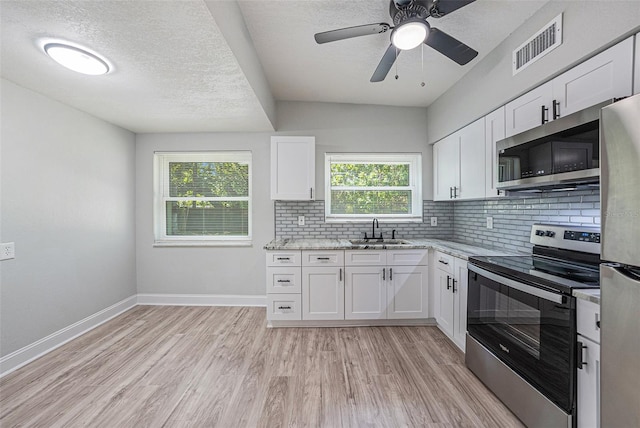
(521,318)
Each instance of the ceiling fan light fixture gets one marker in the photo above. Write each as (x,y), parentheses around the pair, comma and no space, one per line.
(410,34)
(76,59)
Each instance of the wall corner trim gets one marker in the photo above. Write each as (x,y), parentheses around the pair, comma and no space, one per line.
(27,354)
(202,300)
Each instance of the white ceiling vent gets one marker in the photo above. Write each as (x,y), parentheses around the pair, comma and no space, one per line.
(538,45)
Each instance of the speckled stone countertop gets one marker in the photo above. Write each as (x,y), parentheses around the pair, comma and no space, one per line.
(456,249)
(590,294)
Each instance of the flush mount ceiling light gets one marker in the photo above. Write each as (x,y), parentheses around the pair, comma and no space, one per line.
(410,34)
(76,59)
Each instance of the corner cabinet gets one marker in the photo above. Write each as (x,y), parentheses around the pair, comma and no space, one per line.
(458,164)
(293,168)
(605,76)
(450,292)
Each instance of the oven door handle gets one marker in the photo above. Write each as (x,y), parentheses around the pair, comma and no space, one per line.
(525,288)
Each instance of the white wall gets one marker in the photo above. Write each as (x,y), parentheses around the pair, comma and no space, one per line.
(241,270)
(67,181)
(588,26)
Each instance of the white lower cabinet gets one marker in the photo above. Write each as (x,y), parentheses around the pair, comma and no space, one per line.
(588,326)
(322,293)
(386,284)
(451,280)
(284,285)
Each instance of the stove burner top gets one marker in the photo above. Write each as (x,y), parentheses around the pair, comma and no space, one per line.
(542,271)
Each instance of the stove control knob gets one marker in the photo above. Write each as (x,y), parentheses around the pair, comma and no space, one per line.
(539,232)
(550,233)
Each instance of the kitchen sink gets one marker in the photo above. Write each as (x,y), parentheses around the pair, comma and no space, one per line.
(377,243)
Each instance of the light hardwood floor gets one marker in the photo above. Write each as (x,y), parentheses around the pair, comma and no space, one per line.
(159,366)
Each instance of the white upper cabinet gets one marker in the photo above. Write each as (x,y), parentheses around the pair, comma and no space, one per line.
(494,131)
(636,78)
(446,167)
(529,110)
(605,76)
(293,168)
(472,167)
(457,174)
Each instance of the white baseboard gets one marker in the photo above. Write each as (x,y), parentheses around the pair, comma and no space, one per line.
(25,355)
(201,300)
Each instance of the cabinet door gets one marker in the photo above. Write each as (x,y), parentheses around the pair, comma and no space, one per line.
(636,78)
(322,293)
(460,303)
(407,292)
(472,166)
(446,167)
(589,385)
(445,303)
(494,132)
(365,293)
(527,112)
(605,76)
(293,168)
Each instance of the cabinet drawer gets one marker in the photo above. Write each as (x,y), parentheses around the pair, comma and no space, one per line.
(588,319)
(278,258)
(284,280)
(444,262)
(407,257)
(284,307)
(323,258)
(365,258)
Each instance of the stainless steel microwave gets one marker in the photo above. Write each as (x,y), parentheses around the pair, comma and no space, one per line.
(560,153)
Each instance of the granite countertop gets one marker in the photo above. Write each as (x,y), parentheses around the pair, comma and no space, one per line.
(456,249)
(589,294)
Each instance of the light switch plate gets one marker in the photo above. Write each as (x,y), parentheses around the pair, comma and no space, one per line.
(434,221)
(489,222)
(7,251)
(300,220)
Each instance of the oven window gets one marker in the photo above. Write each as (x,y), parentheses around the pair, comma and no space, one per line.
(535,337)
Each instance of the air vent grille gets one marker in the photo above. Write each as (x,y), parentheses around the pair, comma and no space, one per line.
(540,44)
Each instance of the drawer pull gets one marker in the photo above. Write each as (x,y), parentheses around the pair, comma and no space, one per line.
(284,258)
(323,258)
(443,262)
(284,307)
(284,280)
(581,362)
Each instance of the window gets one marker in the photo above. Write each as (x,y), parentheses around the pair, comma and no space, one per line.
(202,198)
(359,187)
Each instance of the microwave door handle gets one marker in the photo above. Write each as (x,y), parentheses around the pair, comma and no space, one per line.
(525,288)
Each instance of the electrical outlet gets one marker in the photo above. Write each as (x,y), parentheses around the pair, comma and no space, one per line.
(434,221)
(300,220)
(489,222)
(7,251)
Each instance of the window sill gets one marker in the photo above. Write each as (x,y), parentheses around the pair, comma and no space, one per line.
(203,243)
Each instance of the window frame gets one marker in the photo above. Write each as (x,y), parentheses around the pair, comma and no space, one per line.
(161,192)
(415,186)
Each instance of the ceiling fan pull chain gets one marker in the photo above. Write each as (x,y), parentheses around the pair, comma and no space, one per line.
(396,63)
(422,52)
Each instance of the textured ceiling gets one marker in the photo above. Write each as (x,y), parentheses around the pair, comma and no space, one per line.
(209,65)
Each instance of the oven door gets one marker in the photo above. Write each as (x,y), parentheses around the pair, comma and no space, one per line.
(530,329)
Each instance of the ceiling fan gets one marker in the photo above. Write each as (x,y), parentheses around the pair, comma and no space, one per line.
(410,30)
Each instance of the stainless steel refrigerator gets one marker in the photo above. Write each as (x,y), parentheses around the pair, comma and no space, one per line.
(620,278)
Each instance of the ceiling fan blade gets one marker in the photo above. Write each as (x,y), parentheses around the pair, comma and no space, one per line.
(347,33)
(385,64)
(444,7)
(450,47)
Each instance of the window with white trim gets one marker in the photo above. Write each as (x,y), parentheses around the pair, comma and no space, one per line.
(202,198)
(362,186)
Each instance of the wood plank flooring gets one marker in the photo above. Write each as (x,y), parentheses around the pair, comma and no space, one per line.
(161,366)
